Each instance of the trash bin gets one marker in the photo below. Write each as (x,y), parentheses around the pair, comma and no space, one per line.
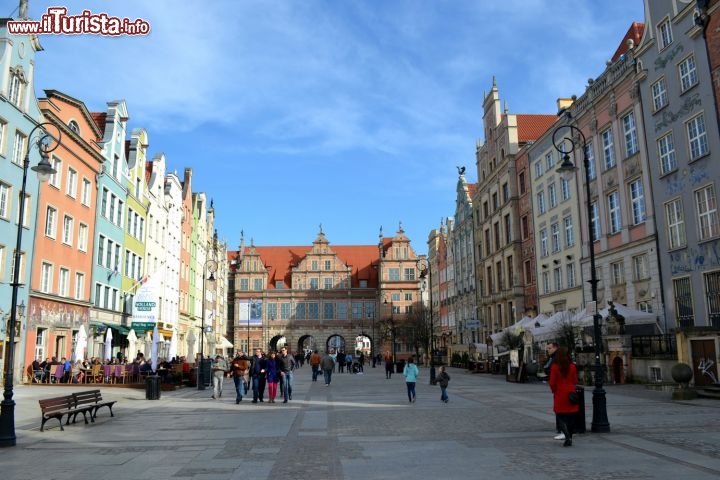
(152,387)
(580,416)
(399,366)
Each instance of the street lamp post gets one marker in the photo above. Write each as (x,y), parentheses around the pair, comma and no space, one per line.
(44,169)
(424,267)
(210,266)
(575,139)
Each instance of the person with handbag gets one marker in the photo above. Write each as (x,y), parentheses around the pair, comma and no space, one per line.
(563,378)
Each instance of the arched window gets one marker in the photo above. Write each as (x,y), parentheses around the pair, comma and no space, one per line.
(73,125)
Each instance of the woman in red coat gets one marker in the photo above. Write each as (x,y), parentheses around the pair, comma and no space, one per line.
(563,378)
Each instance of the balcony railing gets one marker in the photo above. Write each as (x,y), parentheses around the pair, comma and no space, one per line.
(654,346)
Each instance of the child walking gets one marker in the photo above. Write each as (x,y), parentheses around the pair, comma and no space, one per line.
(443,379)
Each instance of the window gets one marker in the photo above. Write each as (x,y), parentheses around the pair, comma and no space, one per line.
(3,129)
(101,249)
(614,212)
(595,221)
(56,178)
(549,161)
(552,193)
(82,237)
(630,134)
(525,227)
(616,273)
(328,265)
(637,198)
(244,284)
(521,183)
(608,150)
(590,152)
(565,189)
(64,282)
(508,229)
(539,170)
(50,222)
(683,301)
(712,293)
(557,277)
(527,271)
(664,33)
(505,192)
(541,202)
(5,199)
(314,265)
(67,233)
(22,267)
(79,286)
(688,73)
(697,137)
(394,274)
(569,234)
(706,204)
(2,263)
(546,282)
(17,88)
(19,148)
(555,234)
(85,194)
(314,284)
(659,94)
(543,243)
(666,152)
(327,283)
(409,274)
(71,187)
(675,219)
(257,282)
(640,267)
(46,272)
(570,274)
(328,311)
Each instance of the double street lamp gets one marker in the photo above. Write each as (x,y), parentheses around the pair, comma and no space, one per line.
(208,276)
(424,267)
(45,143)
(567,139)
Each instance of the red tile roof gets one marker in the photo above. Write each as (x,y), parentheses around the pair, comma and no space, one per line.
(635,33)
(281,260)
(99,119)
(533,126)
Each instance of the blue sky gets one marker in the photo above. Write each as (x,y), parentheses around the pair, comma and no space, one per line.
(349,114)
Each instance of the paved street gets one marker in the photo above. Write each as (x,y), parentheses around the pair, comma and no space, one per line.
(362,427)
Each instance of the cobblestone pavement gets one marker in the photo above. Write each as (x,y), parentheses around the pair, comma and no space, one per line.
(363,427)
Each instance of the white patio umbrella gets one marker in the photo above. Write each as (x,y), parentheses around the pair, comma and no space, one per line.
(632,316)
(80,344)
(154,348)
(173,351)
(132,341)
(108,344)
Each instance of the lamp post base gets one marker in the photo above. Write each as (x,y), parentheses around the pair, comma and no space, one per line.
(600,422)
(7,423)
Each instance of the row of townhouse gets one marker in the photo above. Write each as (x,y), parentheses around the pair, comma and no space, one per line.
(518,244)
(108,219)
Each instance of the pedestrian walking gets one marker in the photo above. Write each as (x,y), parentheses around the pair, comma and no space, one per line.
(388,365)
(349,362)
(286,365)
(443,379)
(327,364)
(410,372)
(258,365)
(563,378)
(240,366)
(219,368)
(315,364)
(273,376)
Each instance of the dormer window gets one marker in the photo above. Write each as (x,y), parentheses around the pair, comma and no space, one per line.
(17,86)
(73,125)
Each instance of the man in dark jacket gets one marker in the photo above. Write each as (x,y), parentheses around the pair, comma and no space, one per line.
(286,365)
(258,367)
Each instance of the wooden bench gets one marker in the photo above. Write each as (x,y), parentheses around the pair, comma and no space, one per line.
(59,407)
(92,401)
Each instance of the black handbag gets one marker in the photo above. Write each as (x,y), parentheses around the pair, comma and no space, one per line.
(573,397)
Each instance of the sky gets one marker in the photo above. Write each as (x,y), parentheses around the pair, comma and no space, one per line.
(347,114)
